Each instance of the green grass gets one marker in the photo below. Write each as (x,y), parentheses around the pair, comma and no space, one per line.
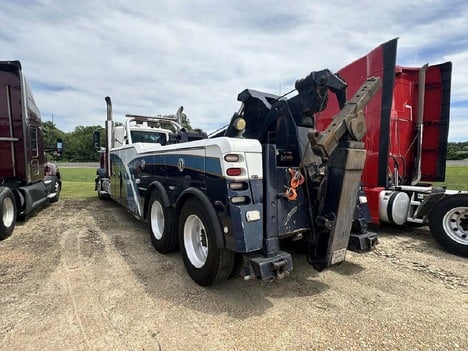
(456,178)
(78,183)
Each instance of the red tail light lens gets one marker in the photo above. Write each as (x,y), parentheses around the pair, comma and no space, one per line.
(233,172)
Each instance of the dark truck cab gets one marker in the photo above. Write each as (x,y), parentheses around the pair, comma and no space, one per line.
(27,180)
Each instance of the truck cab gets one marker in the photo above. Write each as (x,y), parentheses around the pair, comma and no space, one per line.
(27,181)
(406,139)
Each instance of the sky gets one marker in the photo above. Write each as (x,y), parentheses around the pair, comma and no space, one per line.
(151,57)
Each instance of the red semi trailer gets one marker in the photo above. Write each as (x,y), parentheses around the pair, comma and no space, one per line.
(27,181)
(406,142)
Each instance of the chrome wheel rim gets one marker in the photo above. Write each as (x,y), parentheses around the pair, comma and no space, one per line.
(157,220)
(455,224)
(8,212)
(195,241)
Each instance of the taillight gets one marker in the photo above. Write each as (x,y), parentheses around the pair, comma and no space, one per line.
(240,200)
(231,158)
(234,172)
(237,186)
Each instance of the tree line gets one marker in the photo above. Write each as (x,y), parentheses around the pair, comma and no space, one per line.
(78,144)
(457,151)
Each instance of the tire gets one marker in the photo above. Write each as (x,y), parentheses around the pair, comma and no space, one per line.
(161,225)
(100,195)
(57,189)
(7,212)
(98,187)
(448,222)
(206,263)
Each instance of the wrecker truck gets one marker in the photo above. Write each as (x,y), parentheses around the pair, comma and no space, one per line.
(229,200)
(406,142)
(27,180)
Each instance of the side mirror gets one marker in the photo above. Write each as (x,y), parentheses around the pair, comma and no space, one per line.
(59,146)
(97,140)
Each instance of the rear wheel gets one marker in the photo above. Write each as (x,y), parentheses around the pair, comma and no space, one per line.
(206,263)
(7,212)
(160,220)
(98,188)
(448,222)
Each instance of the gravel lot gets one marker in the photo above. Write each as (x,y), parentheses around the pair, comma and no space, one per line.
(82,275)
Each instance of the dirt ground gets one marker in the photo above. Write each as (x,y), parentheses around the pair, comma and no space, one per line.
(82,275)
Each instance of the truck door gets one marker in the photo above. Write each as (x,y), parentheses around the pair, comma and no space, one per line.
(34,138)
(118,176)
(36,153)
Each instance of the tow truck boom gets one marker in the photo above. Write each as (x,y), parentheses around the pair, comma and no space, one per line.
(349,120)
(332,163)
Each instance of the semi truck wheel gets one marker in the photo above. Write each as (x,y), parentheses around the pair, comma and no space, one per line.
(160,220)
(206,263)
(57,190)
(98,188)
(7,212)
(448,222)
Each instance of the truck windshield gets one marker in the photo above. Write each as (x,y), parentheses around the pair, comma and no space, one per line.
(140,136)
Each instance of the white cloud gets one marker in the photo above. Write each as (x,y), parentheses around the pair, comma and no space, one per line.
(152,57)
(458,130)
(459,76)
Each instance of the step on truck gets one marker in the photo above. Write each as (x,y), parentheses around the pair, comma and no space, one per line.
(229,200)
(27,180)
(406,139)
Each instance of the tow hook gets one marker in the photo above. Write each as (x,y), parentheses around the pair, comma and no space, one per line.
(279,268)
(297,179)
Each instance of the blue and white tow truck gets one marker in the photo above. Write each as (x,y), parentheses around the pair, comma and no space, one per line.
(227,201)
